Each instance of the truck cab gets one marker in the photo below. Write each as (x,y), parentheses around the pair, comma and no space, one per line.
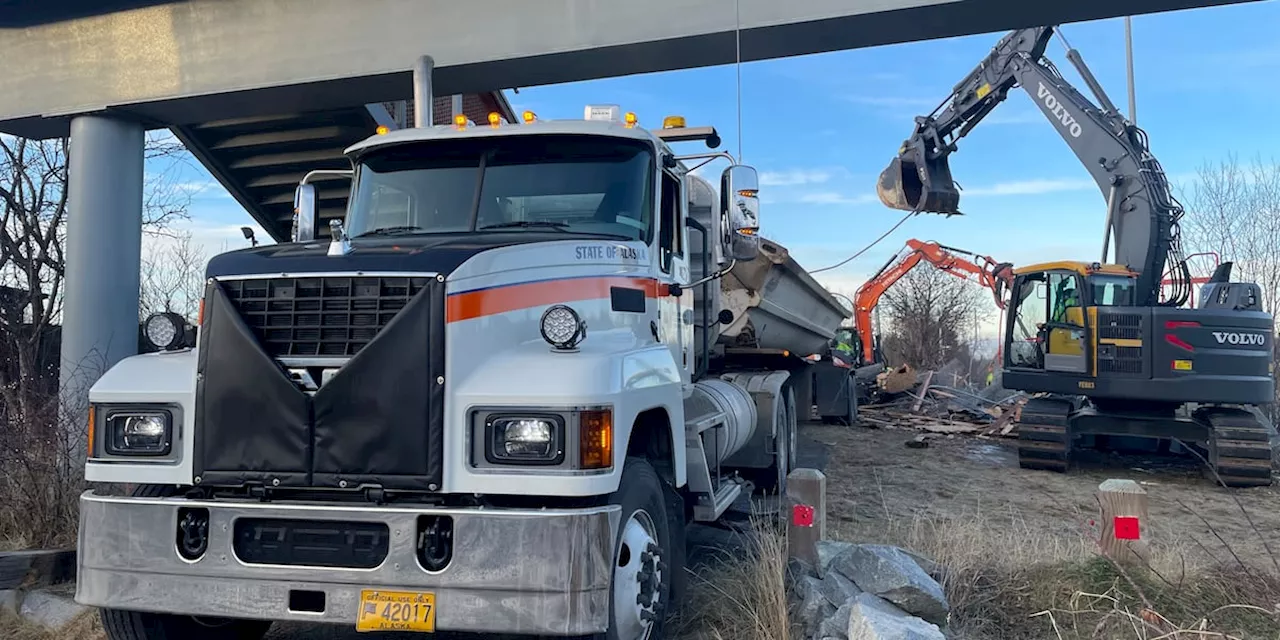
(489,401)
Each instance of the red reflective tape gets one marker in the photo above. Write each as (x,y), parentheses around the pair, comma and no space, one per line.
(1126,528)
(802,515)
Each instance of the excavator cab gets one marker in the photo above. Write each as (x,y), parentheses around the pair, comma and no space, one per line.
(913,182)
(1052,325)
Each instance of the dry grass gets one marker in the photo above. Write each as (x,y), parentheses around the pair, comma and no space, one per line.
(742,594)
(85,627)
(1005,580)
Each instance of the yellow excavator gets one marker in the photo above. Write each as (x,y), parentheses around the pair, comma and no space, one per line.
(1107,355)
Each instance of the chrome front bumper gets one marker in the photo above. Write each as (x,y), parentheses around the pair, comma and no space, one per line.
(513,571)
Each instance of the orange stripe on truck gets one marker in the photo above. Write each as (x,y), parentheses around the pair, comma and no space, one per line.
(467,305)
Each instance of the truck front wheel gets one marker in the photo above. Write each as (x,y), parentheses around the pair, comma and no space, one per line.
(137,625)
(643,558)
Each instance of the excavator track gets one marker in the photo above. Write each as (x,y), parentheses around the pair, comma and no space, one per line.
(1044,438)
(1239,447)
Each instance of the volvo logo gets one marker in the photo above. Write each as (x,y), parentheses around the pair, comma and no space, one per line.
(1240,338)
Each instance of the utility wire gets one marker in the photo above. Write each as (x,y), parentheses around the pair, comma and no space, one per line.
(868,247)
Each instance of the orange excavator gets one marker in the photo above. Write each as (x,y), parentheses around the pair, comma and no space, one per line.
(996,276)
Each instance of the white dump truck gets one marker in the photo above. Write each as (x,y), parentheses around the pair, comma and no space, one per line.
(527,357)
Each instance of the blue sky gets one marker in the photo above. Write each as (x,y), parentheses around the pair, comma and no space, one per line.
(820,128)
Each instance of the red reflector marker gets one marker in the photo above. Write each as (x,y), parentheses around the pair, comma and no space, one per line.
(1180,324)
(1178,342)
(802,515)
(1126,528)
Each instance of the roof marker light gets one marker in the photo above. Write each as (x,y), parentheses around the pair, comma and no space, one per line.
(529,117)
(630,120)
(382,130)
(673,122)
(460,121)
(494,119)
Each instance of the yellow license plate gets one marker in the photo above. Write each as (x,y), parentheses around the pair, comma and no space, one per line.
(396,611)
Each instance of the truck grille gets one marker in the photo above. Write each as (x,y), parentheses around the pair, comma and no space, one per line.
(332,316)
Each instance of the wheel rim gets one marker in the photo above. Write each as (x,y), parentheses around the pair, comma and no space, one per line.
(637,578)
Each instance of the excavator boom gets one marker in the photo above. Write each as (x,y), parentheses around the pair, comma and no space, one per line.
(1142,213)
(996,276)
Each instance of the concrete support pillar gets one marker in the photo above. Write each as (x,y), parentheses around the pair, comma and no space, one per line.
(104,254)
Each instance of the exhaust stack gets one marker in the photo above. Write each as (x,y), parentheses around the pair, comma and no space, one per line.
(422,96)
(913,183)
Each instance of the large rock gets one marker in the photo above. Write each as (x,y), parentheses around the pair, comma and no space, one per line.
(828,551)
(813,605)
(838,589)
(11,600)
(836,625)
(890,573)
(50,610)
(871,618)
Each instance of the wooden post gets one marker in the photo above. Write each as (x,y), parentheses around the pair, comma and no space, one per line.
(805,511)
(1124,520)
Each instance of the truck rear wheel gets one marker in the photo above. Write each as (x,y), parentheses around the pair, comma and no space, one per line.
(643,558)
(139,625)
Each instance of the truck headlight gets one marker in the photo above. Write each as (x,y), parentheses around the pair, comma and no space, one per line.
(562,327)
(165,331)
(139,433)
(530,439)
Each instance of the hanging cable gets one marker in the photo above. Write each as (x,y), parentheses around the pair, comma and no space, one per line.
(868,247)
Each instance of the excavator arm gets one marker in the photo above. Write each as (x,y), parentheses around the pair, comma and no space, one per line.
(996,276)
(1142,213)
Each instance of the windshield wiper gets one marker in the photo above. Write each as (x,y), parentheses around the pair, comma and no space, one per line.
(528,223)
(390,231)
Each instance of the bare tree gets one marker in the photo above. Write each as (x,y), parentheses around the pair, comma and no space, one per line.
(172,277)
(1234,210)
(929,316)
(37,490)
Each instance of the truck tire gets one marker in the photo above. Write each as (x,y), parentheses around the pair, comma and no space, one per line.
(774,479)
(139,625)
(644,560)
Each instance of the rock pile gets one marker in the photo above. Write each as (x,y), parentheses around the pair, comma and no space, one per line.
(868,592)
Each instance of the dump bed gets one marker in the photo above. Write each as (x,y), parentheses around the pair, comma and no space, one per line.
(776,304)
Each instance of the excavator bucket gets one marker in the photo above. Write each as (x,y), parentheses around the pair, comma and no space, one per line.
(912,185)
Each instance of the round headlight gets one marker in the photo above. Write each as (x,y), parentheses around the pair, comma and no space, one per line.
(164,330)
(562,328)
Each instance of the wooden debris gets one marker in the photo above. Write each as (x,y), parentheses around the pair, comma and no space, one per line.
(924,389)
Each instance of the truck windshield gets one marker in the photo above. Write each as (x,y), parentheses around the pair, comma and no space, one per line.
(558,183)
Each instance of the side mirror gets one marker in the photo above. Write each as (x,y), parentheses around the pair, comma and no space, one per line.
(740,212)
(304,213)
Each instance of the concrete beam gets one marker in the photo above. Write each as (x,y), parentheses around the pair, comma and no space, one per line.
(198,60)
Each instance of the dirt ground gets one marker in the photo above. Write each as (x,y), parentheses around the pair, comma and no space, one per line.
(875,480)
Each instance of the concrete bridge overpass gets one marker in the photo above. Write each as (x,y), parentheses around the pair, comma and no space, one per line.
(261,89)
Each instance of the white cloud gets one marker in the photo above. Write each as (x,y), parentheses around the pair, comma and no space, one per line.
(831,197)
(1030,187)
(793,177)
